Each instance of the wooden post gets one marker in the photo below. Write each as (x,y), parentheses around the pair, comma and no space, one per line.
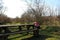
(6,30)
(20,28)
(33,26)
(0,30)
(36,32)
(28,26)
(1,37)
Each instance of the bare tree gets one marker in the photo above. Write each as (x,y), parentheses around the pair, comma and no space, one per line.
(35,9)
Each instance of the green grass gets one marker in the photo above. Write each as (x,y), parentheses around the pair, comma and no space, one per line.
(19,36)
(45,30)
(52,39)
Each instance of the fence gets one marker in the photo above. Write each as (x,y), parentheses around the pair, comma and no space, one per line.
(4,35)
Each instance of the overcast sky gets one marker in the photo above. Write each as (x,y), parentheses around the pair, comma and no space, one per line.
(17,7)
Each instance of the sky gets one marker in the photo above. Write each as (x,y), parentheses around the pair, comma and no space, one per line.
(53,3)
(18,7)
(15,8)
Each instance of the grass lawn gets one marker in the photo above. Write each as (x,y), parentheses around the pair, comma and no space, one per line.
(19,37)
(45,34)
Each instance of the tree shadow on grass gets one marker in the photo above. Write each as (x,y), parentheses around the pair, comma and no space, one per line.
(40,37)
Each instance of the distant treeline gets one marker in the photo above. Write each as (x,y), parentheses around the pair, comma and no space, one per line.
(46,20)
